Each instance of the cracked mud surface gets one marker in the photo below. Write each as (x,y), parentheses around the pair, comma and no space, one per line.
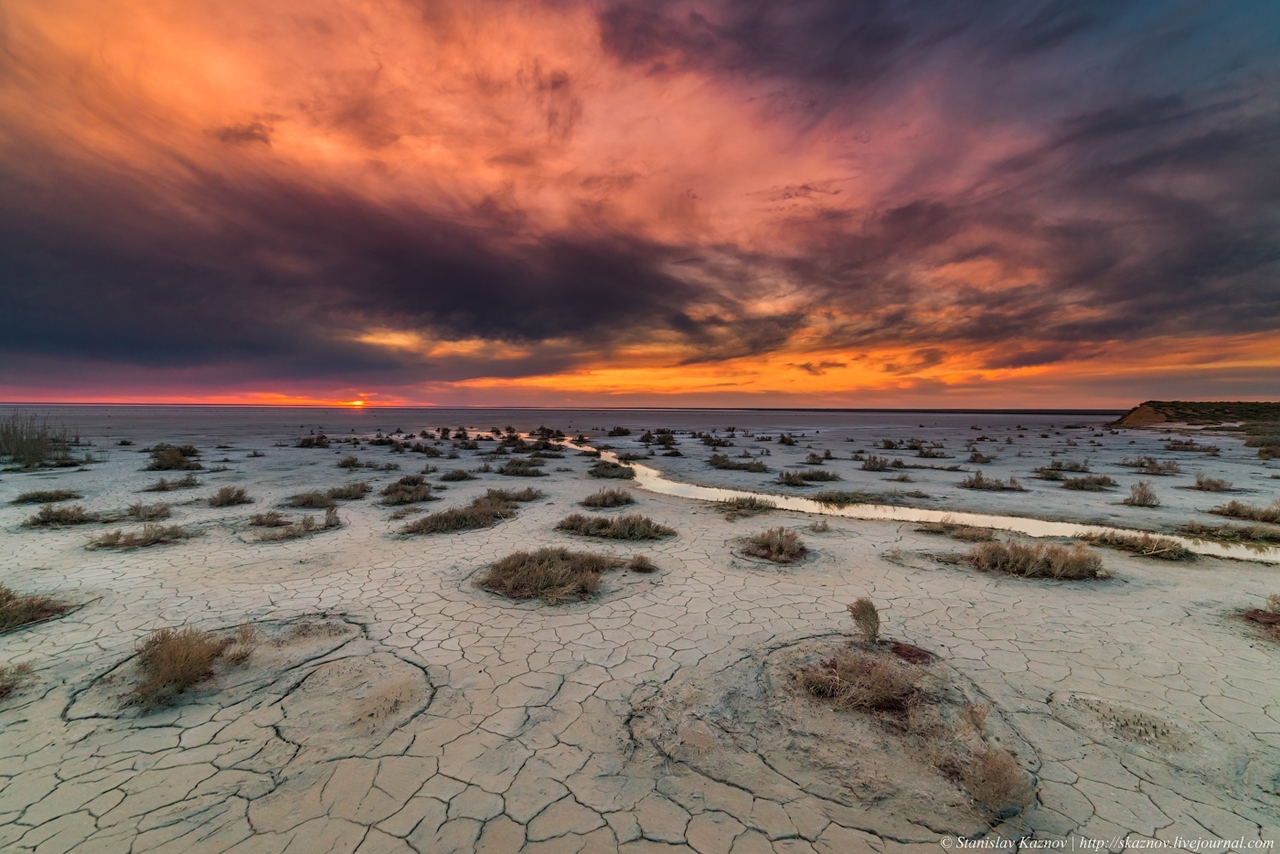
(438,718)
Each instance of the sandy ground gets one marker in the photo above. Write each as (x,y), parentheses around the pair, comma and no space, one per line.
(415,712)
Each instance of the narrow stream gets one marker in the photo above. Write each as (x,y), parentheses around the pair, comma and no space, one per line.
(654,481)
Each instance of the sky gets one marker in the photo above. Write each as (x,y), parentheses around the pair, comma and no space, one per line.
(985,203)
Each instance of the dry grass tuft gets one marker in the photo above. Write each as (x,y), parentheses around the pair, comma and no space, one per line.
(13,677)
(1249,512)
(991,484)
(173,458)
(311,500)
(608,498)
(553,575)
(820,527)
(726,463)
(996,782)
(18,610)
(1268,618)
(243,645)
(457,475)
(526,494)
(350,491)
(865,681)
(1089,483)
(776,544)
(964,533)
(184,482)
(229,496)
(866,617)
(148,512)
(1141,494)
(742,508)
(483,512)
(531,467)
(1211,484)
(1037,561)
(606,469)
(409,489)
(306,526)
(270,519)
(1145,545)
(30,443)
(53,516)
(874,463)
(1152,466)
(1249,536)
(150,535)
(174,660)
(633,526)
(46,496)
(641,564)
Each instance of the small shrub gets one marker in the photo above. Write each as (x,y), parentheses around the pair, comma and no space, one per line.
(870,682)
(633,526)
(608,498)
(996,782)
(1250,536)
(619,431)
(18,610)
(148,512)
(1056,469)
(230,496)
(867,618)
(1145,545)
(173,458)
(642,564)
(1152,466)
(964,533)
(53,516)
(311,500)
(242,646)
(1037,561)
(977,481)
(46,496)
(606,469)
(522,468)
(553,575)
(162,485)
(1142,495)
(776,544)
(409,489)
(305,526)
(30,443)
(270,519)
(742,508)
(350,491)
(13,677)
(522,495)
(351,461)
(171,661)
(724,462)
(874,463)
(321,441)
(150,535)
(979,458)
(1089,483)
(820,527)
(483,512)
(1211,484)
(814,459)
(1249,512)
(457,475)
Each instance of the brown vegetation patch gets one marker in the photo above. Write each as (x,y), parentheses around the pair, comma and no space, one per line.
(18,610)
(553,575)
(1037,561)
(1089,483)
(776,544)
(457,475)
(606,469)
(311,500)
(991,484)
(148,512)
(1268,618)
(53,516)
(608,498)
(964,533)
(150,535)
(522,468)
(1205,483)
(1152,466)
(641,564)
(726,463)
(230,496)
(633,526)
(13,677)
(304,527)
(172,661)
(1249,512)
(1231,534)
(1143,545)
(350,491)
(173,458)
(48,496)
(409,489)
(743,508)
(1141,494)
(483,512)
(184,482)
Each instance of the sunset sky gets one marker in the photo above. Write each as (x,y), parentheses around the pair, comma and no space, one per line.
(639,202)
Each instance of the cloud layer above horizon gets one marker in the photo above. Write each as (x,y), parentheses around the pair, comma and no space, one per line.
(816,201)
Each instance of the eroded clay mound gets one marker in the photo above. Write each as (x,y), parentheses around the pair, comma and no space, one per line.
(749,725)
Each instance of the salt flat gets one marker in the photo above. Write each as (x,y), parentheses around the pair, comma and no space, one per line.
(417,712)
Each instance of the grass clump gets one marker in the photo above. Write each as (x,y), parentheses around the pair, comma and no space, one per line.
(1141,494)
(742,508)
(1152,466)
(553,575)
(150,535)
(991,484)
(866,617)
(30,442)
(173,458)
(270,519)
(304,527)
(409,489)
(1144,545)
(457,475)
(1089,483)
(776,544)
(522,468)
(16,611)
(1268,617)
(608,498)
(172,661)
(1231,534)
(1211,484)
(806,477)
(607,470)
(1058,468)
(230,496)
(964,533)
(148,512)
(184,482)
(1249,512)
(633,526)
(311,500)
(53,516)
(350,491)
(864,681)
(874,463)
(1037,561)
(642,564)
(483,512)
(726,463)
(48,496)
(13,677)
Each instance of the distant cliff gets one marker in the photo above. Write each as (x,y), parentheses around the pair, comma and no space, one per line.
(1198,412)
